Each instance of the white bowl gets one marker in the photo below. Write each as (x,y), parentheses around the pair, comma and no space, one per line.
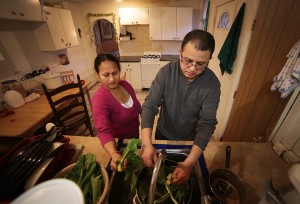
(58,191)
(67,169)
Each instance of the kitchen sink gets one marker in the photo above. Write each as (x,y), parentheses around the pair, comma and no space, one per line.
(199,194)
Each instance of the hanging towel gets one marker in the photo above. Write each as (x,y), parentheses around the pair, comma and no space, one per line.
(289,77)
(229,49)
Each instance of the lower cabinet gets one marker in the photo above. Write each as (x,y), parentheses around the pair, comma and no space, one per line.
(133,74)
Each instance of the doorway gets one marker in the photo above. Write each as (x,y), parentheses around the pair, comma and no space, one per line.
(104,39)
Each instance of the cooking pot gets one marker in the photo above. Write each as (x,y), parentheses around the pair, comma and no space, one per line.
(226,185)
(144,180)
(52,80)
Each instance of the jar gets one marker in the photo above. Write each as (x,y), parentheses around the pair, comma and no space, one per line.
(13,85)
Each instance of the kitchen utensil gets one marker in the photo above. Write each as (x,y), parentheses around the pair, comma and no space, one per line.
(52,80)
(14,99)
(58,191)
(17,171)
(225,185)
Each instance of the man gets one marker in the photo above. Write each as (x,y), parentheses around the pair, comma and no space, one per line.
(188,95)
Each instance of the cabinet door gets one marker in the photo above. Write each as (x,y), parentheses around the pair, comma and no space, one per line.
(68,27)
(141,15)
(168,23)
(27,10)
(184,21)
(155,23)
(126,16)
(135,75)
(55,28)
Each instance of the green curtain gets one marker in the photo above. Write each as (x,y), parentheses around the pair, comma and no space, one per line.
(228,51)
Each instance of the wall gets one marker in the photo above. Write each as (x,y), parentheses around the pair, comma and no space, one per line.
(229,83)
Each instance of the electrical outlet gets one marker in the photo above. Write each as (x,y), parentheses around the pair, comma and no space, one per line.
(1,57)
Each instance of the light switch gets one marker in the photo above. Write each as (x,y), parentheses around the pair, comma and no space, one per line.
(1,57)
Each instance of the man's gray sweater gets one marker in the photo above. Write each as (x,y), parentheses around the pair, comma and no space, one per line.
(188,109)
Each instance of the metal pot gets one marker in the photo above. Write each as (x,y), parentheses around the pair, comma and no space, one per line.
(226,185)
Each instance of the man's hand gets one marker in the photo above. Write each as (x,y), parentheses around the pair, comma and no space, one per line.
(148,155)
(182,173)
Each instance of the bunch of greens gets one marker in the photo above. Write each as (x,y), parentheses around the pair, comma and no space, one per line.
(134,166)
(165,192)
(87,174)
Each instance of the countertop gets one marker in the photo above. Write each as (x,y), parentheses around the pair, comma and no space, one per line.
(138,58)
(253,162)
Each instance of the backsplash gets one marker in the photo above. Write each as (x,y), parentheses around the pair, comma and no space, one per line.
(142,43)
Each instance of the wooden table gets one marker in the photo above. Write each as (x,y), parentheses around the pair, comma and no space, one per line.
(30,117)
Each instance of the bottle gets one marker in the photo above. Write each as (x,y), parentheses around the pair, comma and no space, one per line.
(14,98)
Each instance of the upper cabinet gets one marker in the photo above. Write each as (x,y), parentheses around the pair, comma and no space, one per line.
(27,10)
(170,23)
(58,32)
(155,23)
(134,16)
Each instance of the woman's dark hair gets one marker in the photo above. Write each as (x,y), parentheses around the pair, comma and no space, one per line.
(201,39)
(103,57)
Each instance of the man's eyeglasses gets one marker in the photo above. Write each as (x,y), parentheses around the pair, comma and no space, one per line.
(198,65)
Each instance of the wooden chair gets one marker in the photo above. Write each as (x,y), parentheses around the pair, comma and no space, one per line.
(69,107)
(67,76)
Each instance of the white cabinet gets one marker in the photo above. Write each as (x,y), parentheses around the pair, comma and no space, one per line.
(155,23)
(27,10)
(133,74)
(170,23)
(134,16)
(58,32)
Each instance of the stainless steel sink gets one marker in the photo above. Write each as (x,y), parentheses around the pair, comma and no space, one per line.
(199,194)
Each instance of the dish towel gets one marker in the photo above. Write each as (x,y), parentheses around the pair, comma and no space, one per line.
(289,77)
(229,49)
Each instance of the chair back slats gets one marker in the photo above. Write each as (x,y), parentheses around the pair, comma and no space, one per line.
(63,88)
(66,76)
(66,98)
(69,106)
(78,114)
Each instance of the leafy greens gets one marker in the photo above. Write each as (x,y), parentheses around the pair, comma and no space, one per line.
(87,174)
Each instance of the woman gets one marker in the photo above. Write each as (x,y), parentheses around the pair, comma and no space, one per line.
(115,106)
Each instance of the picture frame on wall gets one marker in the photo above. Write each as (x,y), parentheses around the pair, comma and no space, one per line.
(106,30)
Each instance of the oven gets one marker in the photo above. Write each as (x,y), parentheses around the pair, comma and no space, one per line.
(150,65)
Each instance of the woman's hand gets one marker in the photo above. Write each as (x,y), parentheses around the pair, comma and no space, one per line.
(182,173)
(148,155)
(115,160)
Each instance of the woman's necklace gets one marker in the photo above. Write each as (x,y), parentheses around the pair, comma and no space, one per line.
(119,95)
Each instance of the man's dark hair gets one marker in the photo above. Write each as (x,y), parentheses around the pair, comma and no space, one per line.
(201,39)
(103,57)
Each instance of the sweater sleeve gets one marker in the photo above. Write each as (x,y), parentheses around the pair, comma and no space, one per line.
(101,118)
(207,117)
(153,100)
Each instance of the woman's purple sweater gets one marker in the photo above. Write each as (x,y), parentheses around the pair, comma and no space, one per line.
(111,119)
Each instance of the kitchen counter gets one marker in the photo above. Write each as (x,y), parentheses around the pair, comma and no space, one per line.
(138,58)
(253,162)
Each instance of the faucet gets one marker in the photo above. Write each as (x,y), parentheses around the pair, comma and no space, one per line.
(161,158)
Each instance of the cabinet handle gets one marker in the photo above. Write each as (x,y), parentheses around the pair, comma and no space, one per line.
(66,44)
(62,40)
(173,38)
(13,13)
(69,43)
(22,14)
(132,23)
(126,69)
(130,69)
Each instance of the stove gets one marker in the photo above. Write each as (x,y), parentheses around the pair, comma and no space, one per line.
(151,58)
(150,65)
